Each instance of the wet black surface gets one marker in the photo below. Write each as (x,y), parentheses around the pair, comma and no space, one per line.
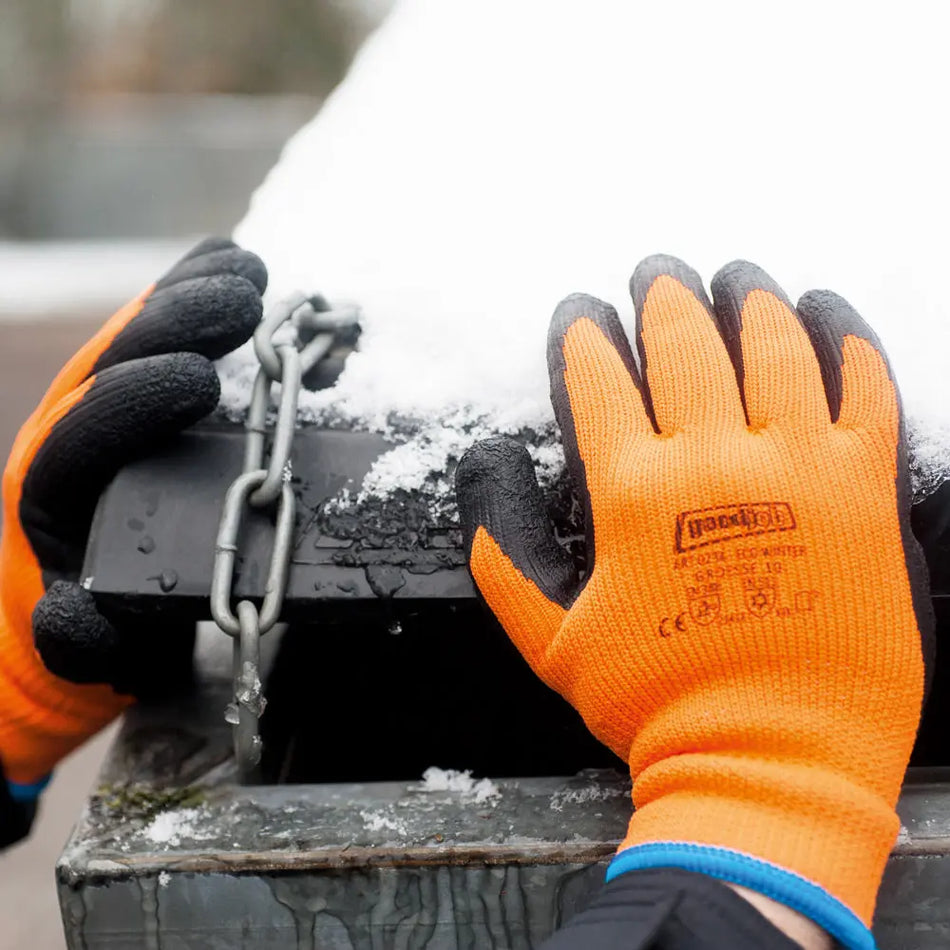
(391,663)
(153,535)
(448,680)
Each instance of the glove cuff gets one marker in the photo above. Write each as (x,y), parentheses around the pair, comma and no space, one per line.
(810,837)
(786,887)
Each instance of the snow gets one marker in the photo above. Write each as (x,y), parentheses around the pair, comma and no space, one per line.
(379,821)
(581,796)
(481,161)
(169,827)
(480,790)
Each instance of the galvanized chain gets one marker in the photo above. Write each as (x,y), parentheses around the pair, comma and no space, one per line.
(260,486)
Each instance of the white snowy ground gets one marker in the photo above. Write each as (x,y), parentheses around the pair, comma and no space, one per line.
(482,160)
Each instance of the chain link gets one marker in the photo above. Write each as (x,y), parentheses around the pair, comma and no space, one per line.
(261,486)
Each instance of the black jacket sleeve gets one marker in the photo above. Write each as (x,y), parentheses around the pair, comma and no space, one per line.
(668,909)
(16,818)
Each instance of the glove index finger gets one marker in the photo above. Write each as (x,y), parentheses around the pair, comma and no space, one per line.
(217,256)
(775,362)
(115,416)
(597,395)
(526,577)
(210,315)
(594,377)
(690,380)
(209,302)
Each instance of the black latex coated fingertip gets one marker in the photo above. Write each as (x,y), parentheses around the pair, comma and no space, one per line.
(566,314)
(168,392)
(132,404)
(73,639)
(128,410)
(574,308)
(831,309)
(207,315)
(658,265)
(730,287)
(496,488)
(644,275)
(734,282)
(828,319)
(216,256)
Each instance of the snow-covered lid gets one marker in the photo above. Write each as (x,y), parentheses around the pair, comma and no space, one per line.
(482,160)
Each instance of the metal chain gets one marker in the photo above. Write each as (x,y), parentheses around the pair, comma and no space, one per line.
(261,486)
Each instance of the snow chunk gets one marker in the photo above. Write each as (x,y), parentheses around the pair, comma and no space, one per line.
(928,448)
(169,827)
(482,790)
(380,821)
(164,879)
(459,211)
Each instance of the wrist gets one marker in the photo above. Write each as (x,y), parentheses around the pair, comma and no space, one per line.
(805,932)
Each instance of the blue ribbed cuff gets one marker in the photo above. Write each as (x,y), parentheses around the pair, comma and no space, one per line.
(783,886)
(28,793)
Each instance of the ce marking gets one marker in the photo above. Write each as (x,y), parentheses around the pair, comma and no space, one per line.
(668,625)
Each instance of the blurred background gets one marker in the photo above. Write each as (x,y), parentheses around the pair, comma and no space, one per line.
(128,129)
(146,122)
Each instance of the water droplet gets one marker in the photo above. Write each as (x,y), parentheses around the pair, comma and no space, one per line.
(136,524)
(384,579)
(231,714)
(167,580)
(146,544)
(254,754)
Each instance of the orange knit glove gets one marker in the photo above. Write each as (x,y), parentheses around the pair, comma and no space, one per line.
(752,631)
(145,376)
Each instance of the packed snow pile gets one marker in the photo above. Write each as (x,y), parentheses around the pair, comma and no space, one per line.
(481,161)
(480,790)
(171,826)
(375,820)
